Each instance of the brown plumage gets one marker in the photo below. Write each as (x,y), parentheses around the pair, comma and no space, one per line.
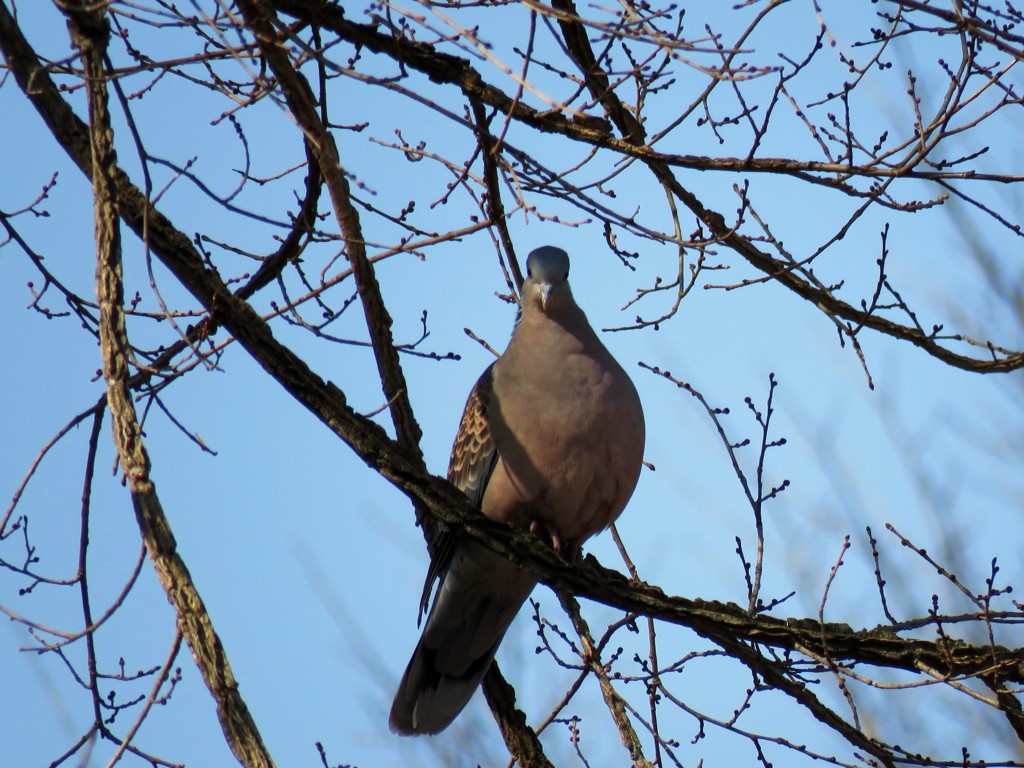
(552,436)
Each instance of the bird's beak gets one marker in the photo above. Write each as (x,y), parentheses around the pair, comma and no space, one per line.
(544,290)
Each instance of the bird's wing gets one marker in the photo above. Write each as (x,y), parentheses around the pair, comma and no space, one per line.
(469,468)
(479,593)
(474,453)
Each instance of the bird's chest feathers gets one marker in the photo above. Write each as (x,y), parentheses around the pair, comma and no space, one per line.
(560,396)
(553,409)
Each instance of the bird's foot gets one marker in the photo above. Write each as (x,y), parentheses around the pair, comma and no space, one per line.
(571,550)
(553,536)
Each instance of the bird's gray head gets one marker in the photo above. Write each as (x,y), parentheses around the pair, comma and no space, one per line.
(547,276)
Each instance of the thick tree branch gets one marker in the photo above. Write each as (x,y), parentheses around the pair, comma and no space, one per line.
(260,17)
(90,34)
(520,738)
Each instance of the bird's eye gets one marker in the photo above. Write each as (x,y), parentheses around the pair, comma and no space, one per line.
(566,275)
(529,272)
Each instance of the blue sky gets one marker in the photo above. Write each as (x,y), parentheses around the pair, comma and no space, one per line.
(310,564)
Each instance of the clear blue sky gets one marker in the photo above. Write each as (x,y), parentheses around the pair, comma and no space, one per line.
(310,564)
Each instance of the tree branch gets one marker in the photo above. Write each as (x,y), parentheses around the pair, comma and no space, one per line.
(260,18)
(882,646)
(442,67)
(90,34)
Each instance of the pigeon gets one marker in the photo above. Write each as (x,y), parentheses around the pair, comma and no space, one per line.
(551,440)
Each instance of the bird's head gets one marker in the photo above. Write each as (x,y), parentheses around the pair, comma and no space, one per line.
(547,279)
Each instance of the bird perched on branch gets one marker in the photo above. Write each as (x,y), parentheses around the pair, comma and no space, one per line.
(551,439)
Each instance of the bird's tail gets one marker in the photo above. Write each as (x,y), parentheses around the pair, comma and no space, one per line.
(479,596)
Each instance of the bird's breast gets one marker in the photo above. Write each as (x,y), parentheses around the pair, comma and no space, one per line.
(569,440)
